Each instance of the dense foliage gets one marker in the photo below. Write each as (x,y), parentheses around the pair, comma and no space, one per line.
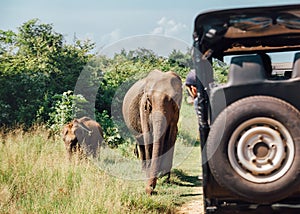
(35,64)
(40,75)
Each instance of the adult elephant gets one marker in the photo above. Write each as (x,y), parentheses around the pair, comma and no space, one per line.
(83,135)
(151,112)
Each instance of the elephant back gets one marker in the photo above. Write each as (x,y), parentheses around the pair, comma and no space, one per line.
(92,125)
(168,83)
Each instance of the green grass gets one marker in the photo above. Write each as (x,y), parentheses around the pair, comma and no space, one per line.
(36,177)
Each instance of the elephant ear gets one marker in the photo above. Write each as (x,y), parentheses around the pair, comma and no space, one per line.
(66,129)
(177,100)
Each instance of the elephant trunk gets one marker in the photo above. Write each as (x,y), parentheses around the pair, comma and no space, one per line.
(159,124)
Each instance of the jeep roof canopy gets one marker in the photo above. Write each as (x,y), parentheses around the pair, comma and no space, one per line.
(249,30)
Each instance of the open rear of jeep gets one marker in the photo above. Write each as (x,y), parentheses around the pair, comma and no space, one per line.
(250,126)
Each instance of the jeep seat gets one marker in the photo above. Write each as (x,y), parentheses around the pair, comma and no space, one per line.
(296,66)
(244,69)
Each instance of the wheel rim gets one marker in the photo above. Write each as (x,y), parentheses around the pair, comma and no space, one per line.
(261,150)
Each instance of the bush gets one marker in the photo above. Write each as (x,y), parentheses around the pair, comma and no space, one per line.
(112,135)
(67,106)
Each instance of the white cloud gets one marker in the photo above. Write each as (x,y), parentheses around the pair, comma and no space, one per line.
(168,27)
(162,21)
(111,37)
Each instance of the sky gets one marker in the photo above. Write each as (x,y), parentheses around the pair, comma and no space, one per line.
(108,23)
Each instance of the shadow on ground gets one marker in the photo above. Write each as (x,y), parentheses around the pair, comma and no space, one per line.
(182,179)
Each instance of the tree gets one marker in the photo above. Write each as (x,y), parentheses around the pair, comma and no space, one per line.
(176,57)
(35,64)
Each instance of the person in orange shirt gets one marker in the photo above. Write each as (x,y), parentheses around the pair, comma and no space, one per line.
(190,84)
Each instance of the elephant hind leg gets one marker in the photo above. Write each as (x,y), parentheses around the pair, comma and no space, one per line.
(136,151)
(142,155)
(141,150)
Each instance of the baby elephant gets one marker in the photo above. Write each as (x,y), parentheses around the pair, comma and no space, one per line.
(83,135)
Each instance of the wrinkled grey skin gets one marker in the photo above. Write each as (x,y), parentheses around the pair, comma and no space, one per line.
(82,135)
(151,112)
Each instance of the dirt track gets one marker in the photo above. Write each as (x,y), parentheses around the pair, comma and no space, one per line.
(195,206)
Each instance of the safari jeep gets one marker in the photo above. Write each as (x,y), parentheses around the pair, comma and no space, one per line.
(250,126)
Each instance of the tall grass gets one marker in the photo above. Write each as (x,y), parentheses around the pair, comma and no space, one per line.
(36,177)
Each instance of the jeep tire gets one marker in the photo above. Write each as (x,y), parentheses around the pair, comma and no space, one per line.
(253,149)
